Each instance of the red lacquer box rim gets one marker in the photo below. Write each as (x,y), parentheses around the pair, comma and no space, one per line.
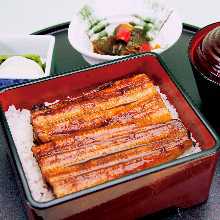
(44,205)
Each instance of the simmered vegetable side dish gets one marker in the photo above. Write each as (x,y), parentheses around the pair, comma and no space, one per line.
(127,39)
(115,38)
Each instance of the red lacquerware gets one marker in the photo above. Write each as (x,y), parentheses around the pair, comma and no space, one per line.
(180,183)
(204,52)
(204,56)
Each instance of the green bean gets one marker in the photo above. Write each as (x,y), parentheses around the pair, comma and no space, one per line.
(145,19)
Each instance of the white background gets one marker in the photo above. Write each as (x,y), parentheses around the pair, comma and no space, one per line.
(27,16)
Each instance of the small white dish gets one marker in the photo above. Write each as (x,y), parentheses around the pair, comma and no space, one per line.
(42,45)
(119,12)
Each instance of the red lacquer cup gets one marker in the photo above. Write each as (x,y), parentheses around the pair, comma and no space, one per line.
(204,56)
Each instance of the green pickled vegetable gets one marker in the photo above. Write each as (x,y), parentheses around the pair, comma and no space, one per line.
(35,58)
(3,58)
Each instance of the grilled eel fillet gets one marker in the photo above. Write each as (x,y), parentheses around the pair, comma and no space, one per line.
(153,114)
(95,109)
(151,111)
(84,160)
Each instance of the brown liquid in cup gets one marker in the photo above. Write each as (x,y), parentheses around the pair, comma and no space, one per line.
(207,55)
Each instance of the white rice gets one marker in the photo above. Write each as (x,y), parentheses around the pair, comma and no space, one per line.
(195,148)
(22,133)
(170,107)
(51,103)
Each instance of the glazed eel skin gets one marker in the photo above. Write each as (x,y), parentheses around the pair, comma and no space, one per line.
(151,111)
(94,157)
(97,108)
(114,130)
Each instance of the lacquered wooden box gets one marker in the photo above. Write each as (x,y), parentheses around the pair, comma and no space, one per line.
(180,183)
